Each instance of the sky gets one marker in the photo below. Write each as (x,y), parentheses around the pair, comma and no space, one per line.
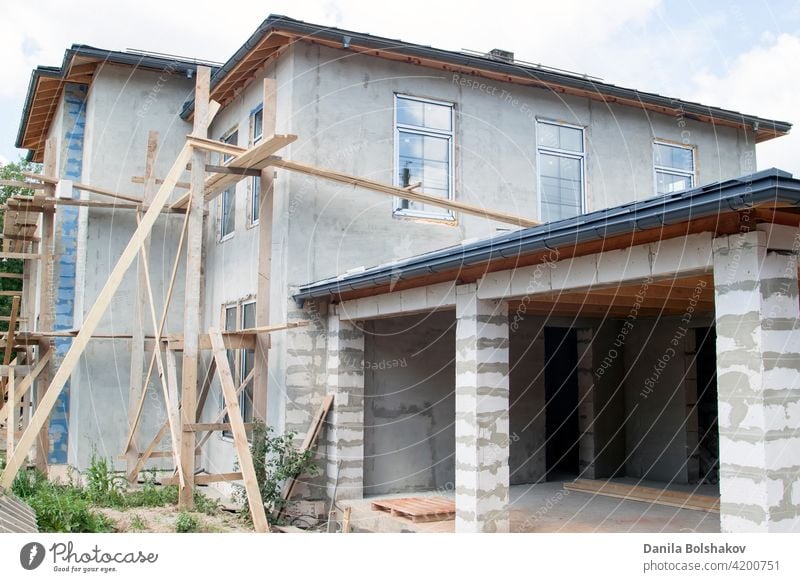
(738,54)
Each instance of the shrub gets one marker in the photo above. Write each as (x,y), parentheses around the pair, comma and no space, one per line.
(103,486)
(186,523)
(275,459)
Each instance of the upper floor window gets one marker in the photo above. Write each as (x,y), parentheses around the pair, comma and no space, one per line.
(255,200)
(423,153)
(233,139)
(674,167)
(257,125)
(227,213)
(560,153)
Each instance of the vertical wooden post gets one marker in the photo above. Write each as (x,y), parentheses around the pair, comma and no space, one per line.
(11,427)
(263,289)
(254,499)
(139,309)
(46,299)
(194,265)
(10,339)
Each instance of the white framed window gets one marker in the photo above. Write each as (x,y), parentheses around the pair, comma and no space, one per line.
(255,200)
(226,220)
(227,213)
(560,159)
(247,321)
(423,138)
(235,317)
(231,138)
(674,167)
(257,124)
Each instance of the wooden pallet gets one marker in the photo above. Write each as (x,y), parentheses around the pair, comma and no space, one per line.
(418,509)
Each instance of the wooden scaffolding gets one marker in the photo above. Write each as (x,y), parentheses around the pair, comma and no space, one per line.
(28,358)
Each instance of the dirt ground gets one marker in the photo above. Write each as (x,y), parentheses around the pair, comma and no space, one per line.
(162,520)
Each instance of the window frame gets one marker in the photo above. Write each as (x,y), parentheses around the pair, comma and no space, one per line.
(254,139)
(238,359)
(547,150)
(670,170)
(222,237)
(225,158)
(446,215)
(253,210)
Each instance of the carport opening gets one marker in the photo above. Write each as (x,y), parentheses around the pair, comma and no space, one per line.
(707,411)
(561,403)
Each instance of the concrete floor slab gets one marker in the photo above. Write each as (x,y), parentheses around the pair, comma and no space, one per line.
(549,508)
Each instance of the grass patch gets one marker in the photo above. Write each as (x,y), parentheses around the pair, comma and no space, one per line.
(59,508)
(71,508)
(137,523)
(186,523)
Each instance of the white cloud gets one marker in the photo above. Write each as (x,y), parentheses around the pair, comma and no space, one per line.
(762,82)
(3,160)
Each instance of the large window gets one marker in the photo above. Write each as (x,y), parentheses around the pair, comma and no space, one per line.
(560,152)
(423,153)
(237,317)
(227,200)
(674,167)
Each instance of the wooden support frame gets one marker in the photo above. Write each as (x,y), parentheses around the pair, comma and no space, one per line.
(140,300)
(308,442)
(192,288)
(254,500)
(139,407)
(95,314)
(453,205)
(46,304)
(11,424)
(12,329)
(221,414)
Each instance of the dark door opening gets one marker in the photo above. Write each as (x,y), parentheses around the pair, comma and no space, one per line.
(707,413)
(561,402)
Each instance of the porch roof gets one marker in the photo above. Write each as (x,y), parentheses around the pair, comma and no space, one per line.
(713,207)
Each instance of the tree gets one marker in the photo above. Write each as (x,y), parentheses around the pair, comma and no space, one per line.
(12,171)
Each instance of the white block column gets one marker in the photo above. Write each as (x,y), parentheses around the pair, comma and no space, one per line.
(482,426)
(345,446)
(758,373)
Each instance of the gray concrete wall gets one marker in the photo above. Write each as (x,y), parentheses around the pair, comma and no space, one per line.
(409,410)
(343,115)
(655,402)
(123,106)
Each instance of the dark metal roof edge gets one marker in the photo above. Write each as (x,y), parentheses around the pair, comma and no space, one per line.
(35,74)
(279,22)
(151,62)
(736,194)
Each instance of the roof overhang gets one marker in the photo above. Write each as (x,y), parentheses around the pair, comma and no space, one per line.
(79,66)
(277,32)
(722,208)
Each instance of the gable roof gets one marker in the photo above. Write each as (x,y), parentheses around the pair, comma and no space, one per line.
(277,32)
(78,66)
(713,201)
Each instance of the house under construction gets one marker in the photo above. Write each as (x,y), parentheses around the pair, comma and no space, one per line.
(460,276)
